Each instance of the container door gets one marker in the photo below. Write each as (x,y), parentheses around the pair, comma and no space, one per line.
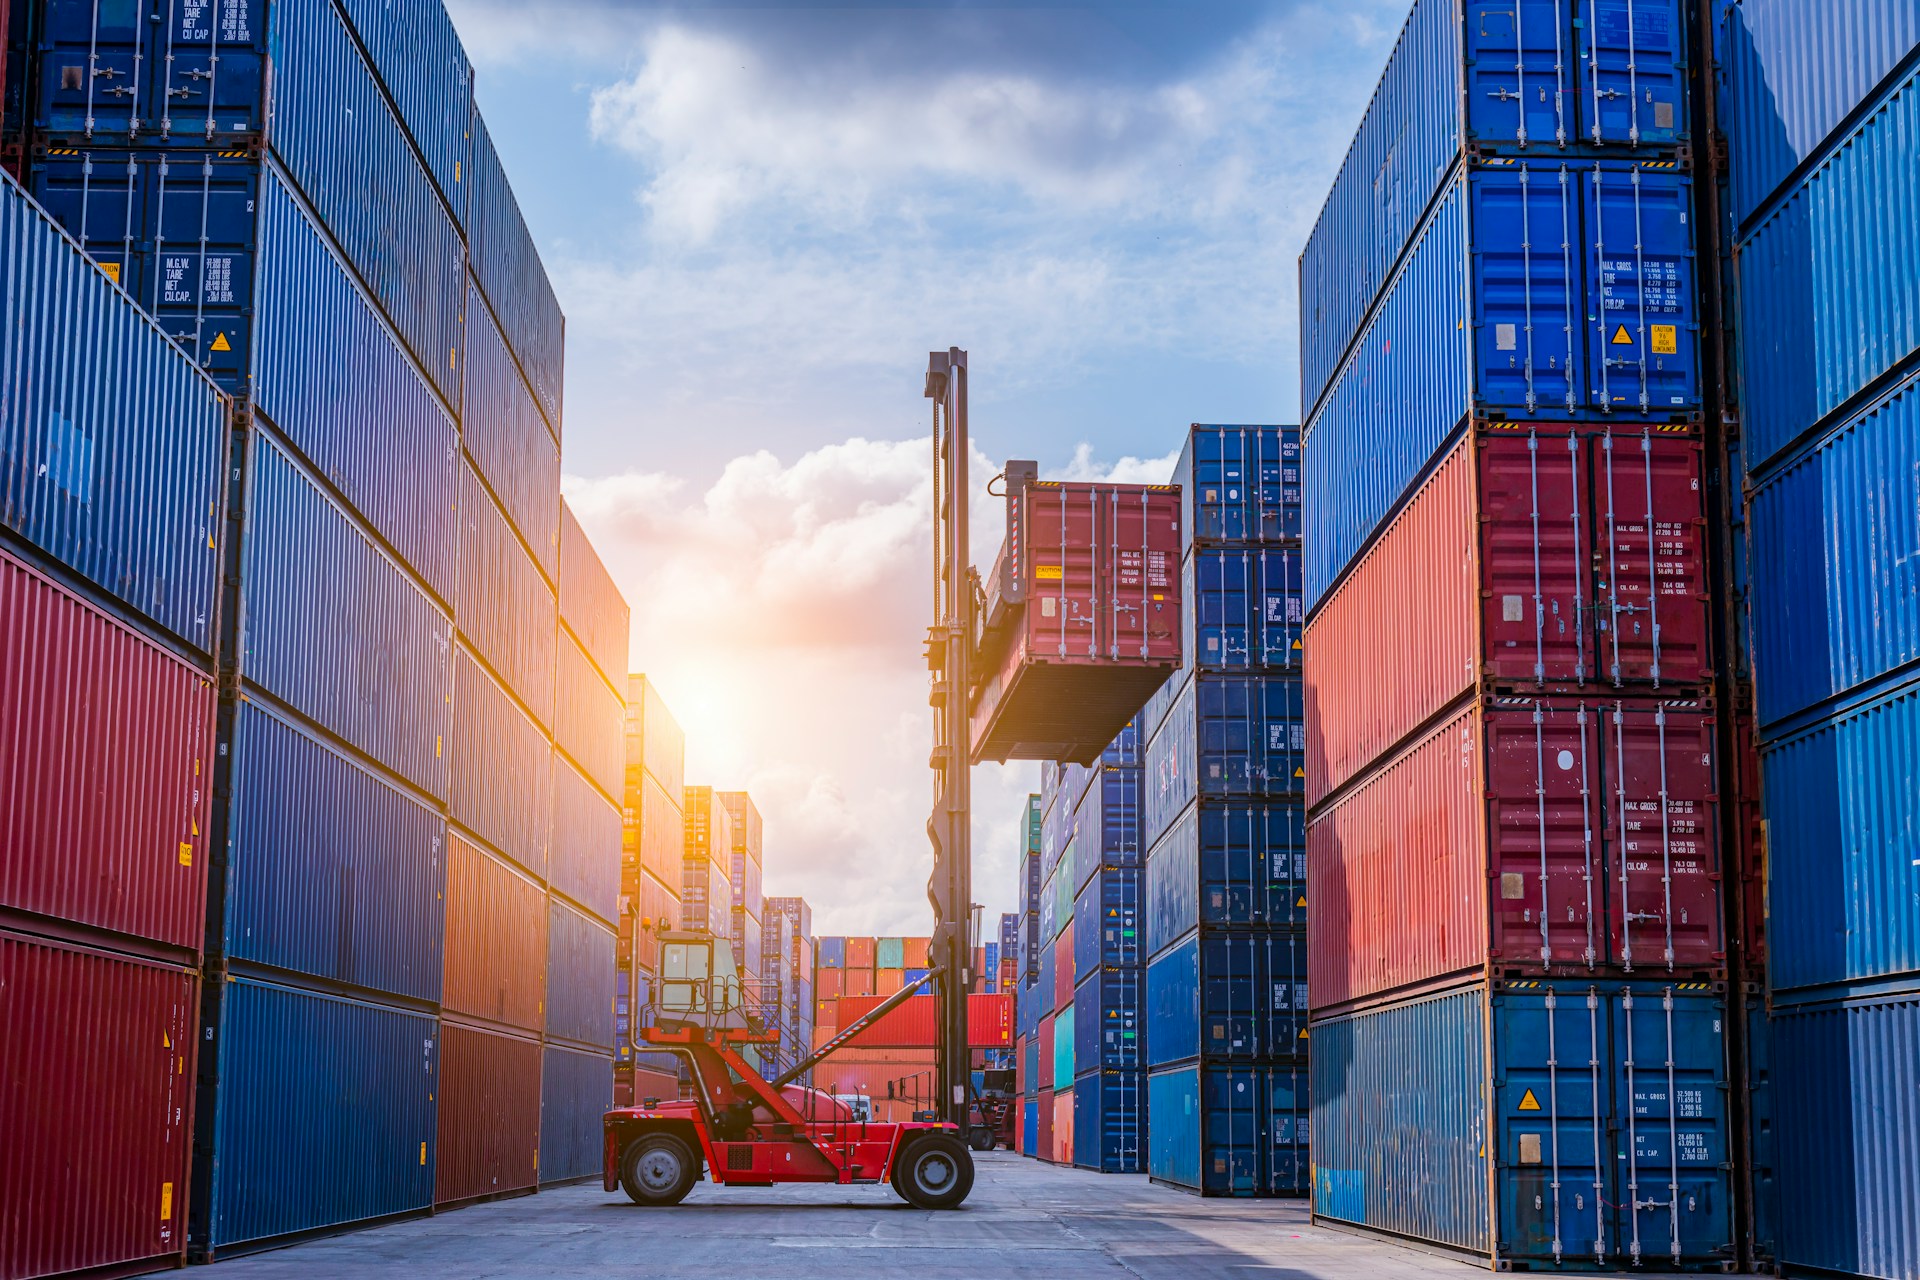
(1551,1092)
(1536,556)
(1633,80)
(1289,1167)
(1235,1130)
(1282,605)
(1641,336)
(1062,598)
(210,86)
(1519,73)
(1543,774)
(94,79)
(1139,553)
(1661,799)
(1651,606)
(1526,265)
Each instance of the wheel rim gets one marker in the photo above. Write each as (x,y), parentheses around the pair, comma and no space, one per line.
(658,1170)
(934,1172)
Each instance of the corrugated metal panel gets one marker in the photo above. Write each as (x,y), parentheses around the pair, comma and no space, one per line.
(1109,1021)
(98,1054)
(1839,800)
(663,834)
(505,608)
(496,951)
(337,630)
(1063,1072)
(654,738)
(489,1114)
(589,719)
(333,378)
(591,605)
(1245,608)
(1225,997)
(106,768)
(1239,484)
(1226,862)
(1108,824)
(342,1090)
(351,157)
(112,448)
(1830,281)
(1229,1131)
(1043,1137)
(1029,1128)
(1063,958)
(1225,736)
(331,871)
(502,766)
(509,271)
(419,58)
(579,976)
(1833,605)
(1106,923)
(1110,1121)
(916,1023)
(1793,72)
(576,1089)
(1848,1161)
(508,439)
(1062,1150)
(583,857)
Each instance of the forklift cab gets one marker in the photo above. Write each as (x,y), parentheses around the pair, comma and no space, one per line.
(699,984)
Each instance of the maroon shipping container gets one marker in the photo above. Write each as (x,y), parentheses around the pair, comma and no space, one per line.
(1020,1080)
(1083,620)
(1536,563)
(496,943)
(1043,1141)
(106,747)
(96,1094)
(488,1126)
(1063,969)
(1750,855)
(1549,836)
(1046,1062)
(916,1023)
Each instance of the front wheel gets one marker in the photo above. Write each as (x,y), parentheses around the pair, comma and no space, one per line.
(935,1172)
(658,1170)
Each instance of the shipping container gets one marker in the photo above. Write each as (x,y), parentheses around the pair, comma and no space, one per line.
(106,768)
(502,767)
(514,283)
(336,629)
(113,447)
(1224,737)
(1029,1128)
(1110,1121)
(1109,1022)
(1062,1149)
(860,953)
(1239,484)
(1244,609)
(579,977)
(591,606)
(1554,835)
(98,1054)
(588,718)
(506,608)
(1594,1114)
(1107,833)
(1106,924)
(329,869)
(1081,620)
(341,1089)
(507,438)
(1229,1130)
(1226,862)
(420,61)
(1228,997)
(662,837)
(830,953)
(496,941)
(583,858)
(1043,1137)
(914,1024)
(889,953)
(575,1091)
(655,740)
(1063,1044)
(489,1115)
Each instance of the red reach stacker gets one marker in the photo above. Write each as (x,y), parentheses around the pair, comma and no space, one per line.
(748,1131)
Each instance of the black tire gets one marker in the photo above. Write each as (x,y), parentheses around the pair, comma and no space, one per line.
(980,1138)
(934,1172)
(658,1170)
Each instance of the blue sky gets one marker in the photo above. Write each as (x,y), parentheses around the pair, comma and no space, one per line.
(759,220)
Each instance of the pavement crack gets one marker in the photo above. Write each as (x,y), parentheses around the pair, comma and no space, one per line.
(1074,1233)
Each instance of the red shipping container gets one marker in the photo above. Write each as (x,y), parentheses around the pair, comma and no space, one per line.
(828,984)
(1523,565)
(1524,837)
(915,1024)
(97,1065)
(860,953)
(488,1126)
(1082,621)
(916,951)
(496,940)
(856,982)
(1063,969)
(1020,1065)
(106,750)
(1046,1058)
(1062,1134)
(1043,1141)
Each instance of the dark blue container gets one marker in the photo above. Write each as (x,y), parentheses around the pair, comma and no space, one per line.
(576,1092)
(1225,997)
(1110,1121)
(1762,1155)
(1026,1009)
(341,1089)
(506,608)
(113,447)
(1227,862)
(514,283)
(1229,1130)
(1240,484)
(331,870)
(830,953)
(420,60)
(583,856)
(1109,1023)
(1106,923)
(335,628)
(1047,978)
(580,964)
(508,438)
(1108,827)
(1847,1160)
(1029,1128)
(1244,609)
(1225,736)
(1594,1113)
(502,788)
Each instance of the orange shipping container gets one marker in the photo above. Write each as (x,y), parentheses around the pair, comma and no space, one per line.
(1062,1152)
(496,940)
(860,953)
(858,982)
(916,950)
(887,981)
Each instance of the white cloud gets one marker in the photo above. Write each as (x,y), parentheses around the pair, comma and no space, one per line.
(1128,470)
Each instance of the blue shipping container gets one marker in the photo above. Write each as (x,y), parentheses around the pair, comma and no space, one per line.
(1603,1105)
(502,789)
(331,870)
(511,278)
(830,953)
(1030,1063)
(1227,862)
(580,964)
(1106,923)
(576,1091)
(1229,1131)
(1244,609)
(1240,484)
(113,447)
(583,855)
(508,439)
(1228,997)
(420,60)
(342,1090)
(1109,1023)
(337,629)
(505,607)
(1108,824)
(1110,1121)
(1225,736)
(1029,1128)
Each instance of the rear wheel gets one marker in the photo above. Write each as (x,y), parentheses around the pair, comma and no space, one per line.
(658,1170)
(980,1138)
(935,1172)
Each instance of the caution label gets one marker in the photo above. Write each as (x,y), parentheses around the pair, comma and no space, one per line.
(1621,338)
(1048,572)
(1665,339)
(111,270)
(166,1202)
(186,855)
(220,343)
(1528,1102)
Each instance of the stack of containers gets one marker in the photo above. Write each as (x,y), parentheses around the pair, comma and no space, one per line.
(1008,966)
(653,842)
(706,892)
(1820,109)
(792,968)
(113,447)
(897,1076)
(1054,987)
(744,863)
(1516,940)
(1026,977)
(1223,821)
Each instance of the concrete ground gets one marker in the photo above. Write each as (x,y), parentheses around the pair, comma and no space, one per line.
(1023,1219)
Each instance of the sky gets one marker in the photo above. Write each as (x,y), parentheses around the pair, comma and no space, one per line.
(760,219)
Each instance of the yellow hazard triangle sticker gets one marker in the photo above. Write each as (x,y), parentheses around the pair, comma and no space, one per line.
(1621,338)
(220,343)
(1528,1102)
(1302,902)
